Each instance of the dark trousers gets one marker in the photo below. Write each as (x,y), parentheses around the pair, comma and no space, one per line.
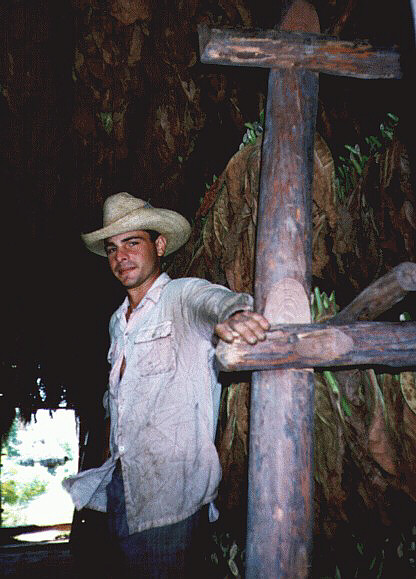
(162,552)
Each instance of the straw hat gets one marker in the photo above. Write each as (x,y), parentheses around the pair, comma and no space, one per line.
(123,212)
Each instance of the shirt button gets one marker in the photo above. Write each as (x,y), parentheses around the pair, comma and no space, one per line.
(121,448)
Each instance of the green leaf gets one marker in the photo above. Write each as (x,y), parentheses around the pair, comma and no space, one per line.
(352,150)
(374,142)
(345,406)
(405,317)
(318,300)
(107,122)
(233,568)
(380,570)
(357,166)
(332,381)
(233,551)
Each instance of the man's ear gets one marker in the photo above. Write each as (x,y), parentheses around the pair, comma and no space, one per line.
(160,245)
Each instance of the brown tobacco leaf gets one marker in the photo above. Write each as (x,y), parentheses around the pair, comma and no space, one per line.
(129,11)
(379,444)
(329,445)
(230,206)
(408,388)
(376,224)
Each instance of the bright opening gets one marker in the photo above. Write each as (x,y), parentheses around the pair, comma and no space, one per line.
(35,460)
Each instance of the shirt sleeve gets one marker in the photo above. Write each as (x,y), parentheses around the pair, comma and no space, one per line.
(207,304)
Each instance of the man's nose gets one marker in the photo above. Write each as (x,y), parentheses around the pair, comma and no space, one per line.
(120,254)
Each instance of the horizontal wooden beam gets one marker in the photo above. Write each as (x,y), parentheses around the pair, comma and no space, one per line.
(277,49)
(323,346)
(380,296)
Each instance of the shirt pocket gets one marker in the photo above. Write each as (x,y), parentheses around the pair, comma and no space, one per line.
(153,350)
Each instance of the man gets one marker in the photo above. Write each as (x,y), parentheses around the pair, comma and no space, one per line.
(159,484)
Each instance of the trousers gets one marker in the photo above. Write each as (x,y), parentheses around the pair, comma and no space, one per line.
(168,552)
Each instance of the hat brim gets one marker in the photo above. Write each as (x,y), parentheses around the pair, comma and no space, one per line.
(173,226)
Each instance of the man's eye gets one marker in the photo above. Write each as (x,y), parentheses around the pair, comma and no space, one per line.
(109,250)
(133,243)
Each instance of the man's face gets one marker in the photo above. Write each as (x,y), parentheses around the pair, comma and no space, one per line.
(134,257)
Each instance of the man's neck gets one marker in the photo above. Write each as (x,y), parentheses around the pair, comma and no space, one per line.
(136,294)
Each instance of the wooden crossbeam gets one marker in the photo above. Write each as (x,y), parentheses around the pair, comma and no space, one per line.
(324,345)
(336,343)
(279,49)
(381,295)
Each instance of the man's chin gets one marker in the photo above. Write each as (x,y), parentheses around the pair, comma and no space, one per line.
(128,283)
(126,279)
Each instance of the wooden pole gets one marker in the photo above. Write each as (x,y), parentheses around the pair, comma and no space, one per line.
(280,520)
(390,344)
(280,491)
(381,295)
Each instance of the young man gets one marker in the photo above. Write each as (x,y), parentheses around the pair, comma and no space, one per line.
(161,479)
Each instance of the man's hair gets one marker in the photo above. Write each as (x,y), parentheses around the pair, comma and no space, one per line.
(153,234)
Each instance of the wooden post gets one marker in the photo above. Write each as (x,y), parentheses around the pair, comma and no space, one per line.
(280,494)
(279,526)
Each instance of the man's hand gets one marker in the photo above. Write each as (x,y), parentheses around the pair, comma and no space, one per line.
(249,326)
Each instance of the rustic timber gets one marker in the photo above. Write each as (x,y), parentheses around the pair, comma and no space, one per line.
(280,487)
(395,348)
(279,521)
(324,345)
(279,49)
(381,295)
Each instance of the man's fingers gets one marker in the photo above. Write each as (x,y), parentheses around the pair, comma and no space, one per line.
(249,330)
(224,332)
(264,323)
(249,326)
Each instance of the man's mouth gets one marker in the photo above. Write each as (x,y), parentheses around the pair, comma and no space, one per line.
(123,270)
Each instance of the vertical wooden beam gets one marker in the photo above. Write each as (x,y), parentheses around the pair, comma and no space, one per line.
(280,517)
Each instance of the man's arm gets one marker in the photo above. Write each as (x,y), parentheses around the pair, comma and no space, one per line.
(250,326)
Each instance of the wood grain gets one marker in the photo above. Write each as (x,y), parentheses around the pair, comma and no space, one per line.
(315,52)
(324,345)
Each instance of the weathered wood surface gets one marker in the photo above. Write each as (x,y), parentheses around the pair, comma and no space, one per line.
(381,295)
(324,345)
(279,49)
(280,487)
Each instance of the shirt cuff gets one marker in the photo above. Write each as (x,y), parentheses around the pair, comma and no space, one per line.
(235,303)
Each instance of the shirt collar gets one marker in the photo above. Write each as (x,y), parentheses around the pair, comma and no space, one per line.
(153,294)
